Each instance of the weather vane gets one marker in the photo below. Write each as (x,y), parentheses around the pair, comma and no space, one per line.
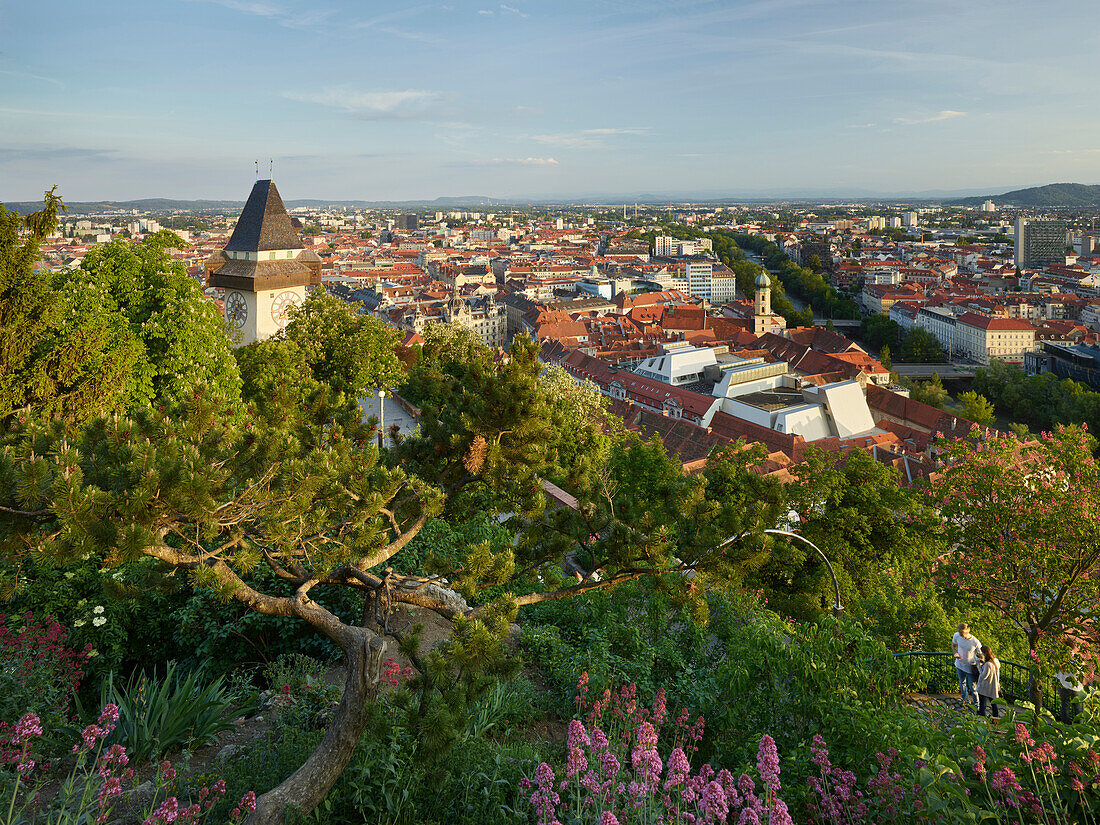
(257,170)
(271,168)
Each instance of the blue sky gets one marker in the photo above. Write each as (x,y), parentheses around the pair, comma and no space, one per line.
(176,98)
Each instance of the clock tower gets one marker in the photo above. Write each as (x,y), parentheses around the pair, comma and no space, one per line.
(264,269)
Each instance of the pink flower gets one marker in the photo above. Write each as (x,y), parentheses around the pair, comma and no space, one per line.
(608,818)
(713,803)
(578,736)
(767,762)
(1005,780)
(1023,737)
(30,725)
(248,801)
(575,763)
(779,813)
(678,768)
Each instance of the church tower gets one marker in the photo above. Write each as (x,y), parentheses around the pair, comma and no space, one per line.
(762,307)
(264,269)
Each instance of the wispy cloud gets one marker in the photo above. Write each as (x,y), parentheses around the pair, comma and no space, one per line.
(861,125)
(32,76)
(535,162)
(945,114)
(63,114)
(296,18)
(372,105)
(31,154)
(588,138)
(486,12)
(509,10)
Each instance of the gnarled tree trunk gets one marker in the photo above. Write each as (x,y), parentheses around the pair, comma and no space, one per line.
(307,786)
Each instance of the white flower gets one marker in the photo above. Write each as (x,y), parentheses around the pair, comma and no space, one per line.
(98,608)
(69,575)
(78,623)
(99,621)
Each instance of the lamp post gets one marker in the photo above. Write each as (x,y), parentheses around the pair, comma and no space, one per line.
(838,609)
(382,417)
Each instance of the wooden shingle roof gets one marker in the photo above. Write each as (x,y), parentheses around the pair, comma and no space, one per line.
(264,224)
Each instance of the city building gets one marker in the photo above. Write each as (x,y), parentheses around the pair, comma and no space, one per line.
(1039,242)
(989,206)
(983,339)
(406,222)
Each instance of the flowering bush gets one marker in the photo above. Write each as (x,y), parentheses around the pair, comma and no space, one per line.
(1013,778)
(94,785)
(39,672)
(614,772)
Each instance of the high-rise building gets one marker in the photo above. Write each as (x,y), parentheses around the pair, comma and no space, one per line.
(698,278)
(264,269)
(909,218)
(989,206)
(406,222)
(1039,242)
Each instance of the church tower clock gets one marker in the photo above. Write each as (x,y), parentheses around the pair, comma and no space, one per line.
(264,269)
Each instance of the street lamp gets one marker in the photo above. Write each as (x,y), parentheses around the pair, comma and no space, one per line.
(382,417)
(838,609)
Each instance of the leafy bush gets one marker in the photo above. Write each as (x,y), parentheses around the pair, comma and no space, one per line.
(125,614)
(293,671)
(39,674)
(221,635)
(161,715)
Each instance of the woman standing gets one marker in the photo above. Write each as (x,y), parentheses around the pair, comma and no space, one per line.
(989,681)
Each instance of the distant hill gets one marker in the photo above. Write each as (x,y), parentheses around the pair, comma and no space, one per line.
(146,205)
(1054,194)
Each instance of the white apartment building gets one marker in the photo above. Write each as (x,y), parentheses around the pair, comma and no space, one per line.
(941,322)
(985,339)
(667,246)
(699,277)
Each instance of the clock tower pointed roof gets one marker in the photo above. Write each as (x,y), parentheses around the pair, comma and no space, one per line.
(264,252)
(264,224)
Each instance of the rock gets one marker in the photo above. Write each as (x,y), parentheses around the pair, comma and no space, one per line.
(240,720)
(228,752)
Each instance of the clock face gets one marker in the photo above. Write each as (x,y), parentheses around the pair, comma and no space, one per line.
(236,310)
(284,301)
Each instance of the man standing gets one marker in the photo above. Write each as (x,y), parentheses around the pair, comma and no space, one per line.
(966,649)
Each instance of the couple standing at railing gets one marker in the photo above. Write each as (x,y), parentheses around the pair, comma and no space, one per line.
(978,669)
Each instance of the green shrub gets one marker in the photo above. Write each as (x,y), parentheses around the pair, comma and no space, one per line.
(126,614)
(161,715)
(222,635)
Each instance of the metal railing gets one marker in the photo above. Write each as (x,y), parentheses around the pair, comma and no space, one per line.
(939,672)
